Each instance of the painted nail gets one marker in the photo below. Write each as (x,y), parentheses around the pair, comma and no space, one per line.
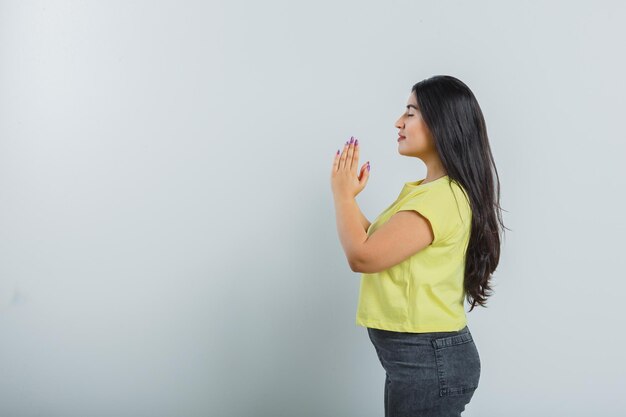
(351,139)
(356,142)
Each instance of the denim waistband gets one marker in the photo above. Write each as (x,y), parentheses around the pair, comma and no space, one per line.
(462,336)
(428,335)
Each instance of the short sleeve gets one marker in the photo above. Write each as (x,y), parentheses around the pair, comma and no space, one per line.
(429,206)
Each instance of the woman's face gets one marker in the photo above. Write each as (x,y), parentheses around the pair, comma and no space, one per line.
(417,138)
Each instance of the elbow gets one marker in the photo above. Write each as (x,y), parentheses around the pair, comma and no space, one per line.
(365,266)
(359,265)
(355,265)
(359,260)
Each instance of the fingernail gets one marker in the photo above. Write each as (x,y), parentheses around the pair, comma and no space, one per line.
(351,139)
(356,142)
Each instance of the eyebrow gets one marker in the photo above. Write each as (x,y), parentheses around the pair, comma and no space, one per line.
(410,105)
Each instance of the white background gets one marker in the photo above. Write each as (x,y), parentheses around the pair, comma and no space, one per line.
(168,244)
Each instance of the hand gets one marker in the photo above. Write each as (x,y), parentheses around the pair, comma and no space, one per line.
(344,179)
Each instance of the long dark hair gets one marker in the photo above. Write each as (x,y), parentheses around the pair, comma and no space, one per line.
(457,125)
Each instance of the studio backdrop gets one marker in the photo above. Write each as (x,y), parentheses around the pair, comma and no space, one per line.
(168,244)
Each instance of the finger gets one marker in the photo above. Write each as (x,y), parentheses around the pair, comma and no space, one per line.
(355,156)
(350,154)
(342,162)
(336,161)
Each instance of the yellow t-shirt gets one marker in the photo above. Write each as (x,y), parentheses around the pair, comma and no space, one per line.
(423,293)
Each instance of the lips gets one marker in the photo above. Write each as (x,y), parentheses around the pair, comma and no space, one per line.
(400,137)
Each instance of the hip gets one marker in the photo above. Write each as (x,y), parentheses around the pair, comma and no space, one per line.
(439,363)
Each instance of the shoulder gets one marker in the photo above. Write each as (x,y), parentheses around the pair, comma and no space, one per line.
(447,195)
(445,206)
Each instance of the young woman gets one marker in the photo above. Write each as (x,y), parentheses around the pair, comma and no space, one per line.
(435,245)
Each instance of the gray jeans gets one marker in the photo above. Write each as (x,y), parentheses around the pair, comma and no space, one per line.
(427,374)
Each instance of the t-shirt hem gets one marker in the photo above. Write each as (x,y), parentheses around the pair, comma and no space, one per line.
(409,328)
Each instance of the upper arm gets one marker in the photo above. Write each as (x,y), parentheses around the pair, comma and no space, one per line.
(404,234)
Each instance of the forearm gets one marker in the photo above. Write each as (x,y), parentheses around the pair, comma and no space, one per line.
(364,222)
(350,227)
